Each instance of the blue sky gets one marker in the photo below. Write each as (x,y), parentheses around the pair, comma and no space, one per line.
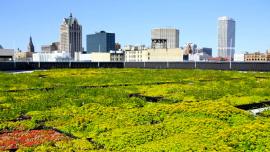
(132,20)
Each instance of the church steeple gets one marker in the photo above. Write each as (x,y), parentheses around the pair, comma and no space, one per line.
(31,47)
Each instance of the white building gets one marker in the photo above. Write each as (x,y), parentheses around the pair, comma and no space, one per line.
(51,57)
(165,38)
(226,37)
(83,57)
(117,56)
(155,55)
(136,56)
(239,57)
(134,47)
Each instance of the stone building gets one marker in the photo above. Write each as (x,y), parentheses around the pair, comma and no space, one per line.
(31,47)
(71,36)
(257,57)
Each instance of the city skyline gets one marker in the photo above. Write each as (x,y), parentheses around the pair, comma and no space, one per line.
(132,22)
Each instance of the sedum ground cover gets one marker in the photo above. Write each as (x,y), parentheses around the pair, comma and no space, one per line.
(137,109)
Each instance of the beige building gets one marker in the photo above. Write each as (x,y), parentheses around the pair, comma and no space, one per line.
(117,56)
(23,56)
(136,55)
(155,55)
(112,56)
(71,36)
(257,57)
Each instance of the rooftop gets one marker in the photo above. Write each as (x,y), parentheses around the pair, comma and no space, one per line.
(71,20)
(225,18)
(165,28)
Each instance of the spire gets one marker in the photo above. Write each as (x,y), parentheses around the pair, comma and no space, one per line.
(31,47)
(70,15)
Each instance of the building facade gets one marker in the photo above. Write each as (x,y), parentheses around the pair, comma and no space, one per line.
(257,57)
(6,54)
(100,42)
(154,55)
(117,56)
(239,57)
(51,57)
(134,47)
(55,46)
(136,55)
(71,36)
(165,38)
(23,56)
(226,37)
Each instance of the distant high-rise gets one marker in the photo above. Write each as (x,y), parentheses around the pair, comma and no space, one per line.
(100,42)
(71,36)
(31,47)
(226,37)
(165,38)
(50,48)
(1,47)
(117,46)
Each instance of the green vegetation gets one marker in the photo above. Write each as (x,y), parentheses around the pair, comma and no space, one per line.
(139,109)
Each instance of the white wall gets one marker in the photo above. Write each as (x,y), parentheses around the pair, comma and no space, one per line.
(100,57)
(239,57)
(50,57)
(164,55)
(84,57)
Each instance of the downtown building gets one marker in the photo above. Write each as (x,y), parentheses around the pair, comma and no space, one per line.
(257,57)
(100,42)
(25,55)
(55,46)
(165,38)
(154,55)
(71,37)
(6,54)
(226,37)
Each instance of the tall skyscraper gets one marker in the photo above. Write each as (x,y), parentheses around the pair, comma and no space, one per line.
(31,47)
(71,36)
(226,37)
(165,38)
(100,42)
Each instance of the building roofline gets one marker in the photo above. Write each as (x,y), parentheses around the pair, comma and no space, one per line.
(222,18)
